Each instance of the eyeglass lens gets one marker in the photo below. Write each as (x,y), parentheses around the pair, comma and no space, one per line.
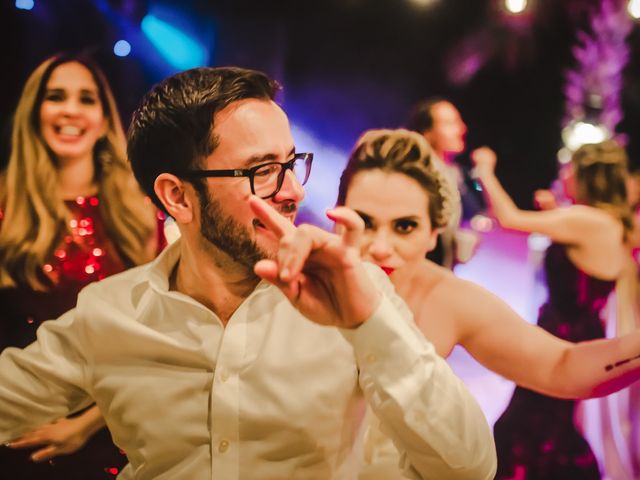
(268,179)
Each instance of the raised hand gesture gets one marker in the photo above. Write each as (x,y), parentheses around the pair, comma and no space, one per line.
(484,160)
(320,272)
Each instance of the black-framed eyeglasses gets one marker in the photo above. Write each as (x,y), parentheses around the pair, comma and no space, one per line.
(266,179)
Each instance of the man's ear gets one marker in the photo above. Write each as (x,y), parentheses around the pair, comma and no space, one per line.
(172,192)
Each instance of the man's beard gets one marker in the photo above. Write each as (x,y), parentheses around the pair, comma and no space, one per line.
(226,234)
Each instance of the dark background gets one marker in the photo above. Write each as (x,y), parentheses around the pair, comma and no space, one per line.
(349,65)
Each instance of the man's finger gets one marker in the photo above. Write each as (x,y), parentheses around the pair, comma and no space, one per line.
(350,225)
(295,249)
(268,270)
(269,217)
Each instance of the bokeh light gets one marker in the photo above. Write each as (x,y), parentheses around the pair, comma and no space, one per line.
(122,48)
(515,6)
(25,4)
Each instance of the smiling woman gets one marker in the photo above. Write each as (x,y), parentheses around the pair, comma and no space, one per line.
(71,115)
(70,214)
(68,143)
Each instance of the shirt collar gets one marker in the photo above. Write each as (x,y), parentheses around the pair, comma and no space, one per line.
(157,273)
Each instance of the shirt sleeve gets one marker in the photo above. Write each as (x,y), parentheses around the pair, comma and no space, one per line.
(431,417)
(42,382)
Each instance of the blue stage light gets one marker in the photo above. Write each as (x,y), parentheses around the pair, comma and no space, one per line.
(178,48)
(24,4)
(122,48)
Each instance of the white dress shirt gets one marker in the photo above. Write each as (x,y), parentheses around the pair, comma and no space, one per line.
(270,396)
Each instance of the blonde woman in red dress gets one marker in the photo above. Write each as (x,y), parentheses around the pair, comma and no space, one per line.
(71,214)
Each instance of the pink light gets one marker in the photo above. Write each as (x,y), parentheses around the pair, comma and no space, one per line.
(515,6)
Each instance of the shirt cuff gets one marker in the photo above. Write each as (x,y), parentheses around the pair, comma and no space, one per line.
(388,338)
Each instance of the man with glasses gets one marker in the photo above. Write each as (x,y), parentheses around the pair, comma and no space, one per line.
(247,348)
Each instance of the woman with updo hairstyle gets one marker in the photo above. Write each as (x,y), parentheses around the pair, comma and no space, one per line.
(390,180)
(601,175)
(71,213)
(536,436)
(403,152)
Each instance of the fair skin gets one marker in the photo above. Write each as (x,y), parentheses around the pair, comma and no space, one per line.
(397,235)
(62,437)
(544,199)
(71,121)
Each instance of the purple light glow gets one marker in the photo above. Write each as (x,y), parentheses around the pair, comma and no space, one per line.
(593,86)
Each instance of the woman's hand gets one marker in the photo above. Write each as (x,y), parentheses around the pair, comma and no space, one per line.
(545,199)
(484,160)
(62,437)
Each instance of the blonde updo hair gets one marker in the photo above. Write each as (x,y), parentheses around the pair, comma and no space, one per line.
(405,152)
(601,172)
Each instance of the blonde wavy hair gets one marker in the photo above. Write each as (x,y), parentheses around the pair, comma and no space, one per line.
(406,152)
(35,216)
(601,172)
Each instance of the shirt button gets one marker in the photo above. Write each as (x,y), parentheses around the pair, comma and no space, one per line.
(224,376)
(371,358)
(223,446)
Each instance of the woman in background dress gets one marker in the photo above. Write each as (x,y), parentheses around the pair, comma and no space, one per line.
(71,213)
(536,437)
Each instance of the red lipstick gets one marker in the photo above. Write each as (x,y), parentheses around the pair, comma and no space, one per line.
(387,270)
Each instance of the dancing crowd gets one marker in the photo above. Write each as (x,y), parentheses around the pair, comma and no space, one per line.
(255,347)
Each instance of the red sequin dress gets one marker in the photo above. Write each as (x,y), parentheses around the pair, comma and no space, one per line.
(83,256)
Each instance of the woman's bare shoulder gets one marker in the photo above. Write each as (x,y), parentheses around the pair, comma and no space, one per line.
(598,216)
(437,282)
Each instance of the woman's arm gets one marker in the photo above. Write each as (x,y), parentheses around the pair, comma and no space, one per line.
(531,357)
(569,225)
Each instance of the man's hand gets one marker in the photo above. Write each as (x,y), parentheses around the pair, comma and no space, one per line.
(320,272)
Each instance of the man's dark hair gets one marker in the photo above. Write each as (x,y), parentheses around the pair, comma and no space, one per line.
(420,118)
(172,129)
